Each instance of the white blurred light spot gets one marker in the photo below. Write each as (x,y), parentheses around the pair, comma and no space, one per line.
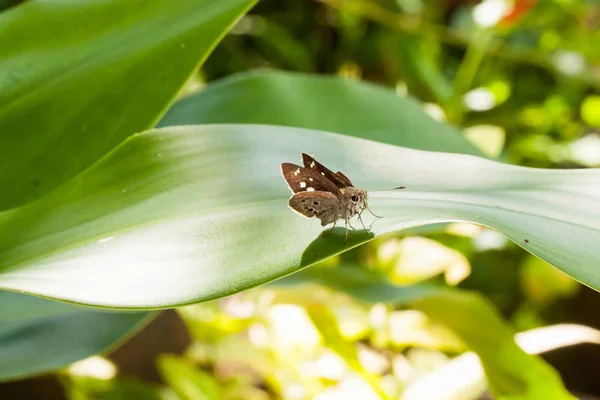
(434,111)
(489,240)
(488,138)
(462,378)
(402,369)
(378,315)
(349,388)
(238,307)
(292,329)
(372,361)
(94,367)
(328,366)
(463,229)
(295,391)
(258,335)
(480,99)
(587,150)
(106,239)
(405,324)
(421,258)
(249,25)
(389,251)
(552,337)
(489,12)
(569,62)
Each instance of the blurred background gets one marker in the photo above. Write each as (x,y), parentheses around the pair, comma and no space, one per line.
(521,78)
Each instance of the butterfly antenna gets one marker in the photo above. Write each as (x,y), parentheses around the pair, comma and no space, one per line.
(396,188)
(371,211)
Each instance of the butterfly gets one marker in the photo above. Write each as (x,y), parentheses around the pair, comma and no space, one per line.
(322,193)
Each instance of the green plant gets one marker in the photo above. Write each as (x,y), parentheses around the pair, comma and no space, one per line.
(101,210)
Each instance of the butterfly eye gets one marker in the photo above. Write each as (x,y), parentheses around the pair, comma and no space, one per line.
(354,198)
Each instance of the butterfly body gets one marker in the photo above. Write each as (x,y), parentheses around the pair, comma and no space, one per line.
(319,192)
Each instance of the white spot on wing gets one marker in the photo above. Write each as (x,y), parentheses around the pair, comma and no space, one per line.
(323,173)
(310,179)
(312,164)
(310,189)
(302,185)
(296,172)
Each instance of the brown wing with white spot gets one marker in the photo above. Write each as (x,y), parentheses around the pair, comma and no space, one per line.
(339,179)
(323,205)
(301,179)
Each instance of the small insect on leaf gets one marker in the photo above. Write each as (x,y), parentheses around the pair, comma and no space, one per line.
(319,192)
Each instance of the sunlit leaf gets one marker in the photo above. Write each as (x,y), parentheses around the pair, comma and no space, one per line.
(69,95)
(188,214)
(77,78)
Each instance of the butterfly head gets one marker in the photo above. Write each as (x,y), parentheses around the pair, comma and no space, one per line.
(357,199)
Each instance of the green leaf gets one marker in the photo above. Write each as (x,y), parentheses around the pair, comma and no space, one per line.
(329,104)
(38,336)
(69,95)
(511,373)
(187,214)
(189,383)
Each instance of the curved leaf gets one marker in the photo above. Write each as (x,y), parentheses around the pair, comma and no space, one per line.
(38,336)
(331,104)
(187,214)
(69,95)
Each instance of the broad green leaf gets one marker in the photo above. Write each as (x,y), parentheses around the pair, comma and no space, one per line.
(189,382)
(511,373)
(78,77)
(69,95)
(16,306)
(187,214)
(329,104)
(58,335)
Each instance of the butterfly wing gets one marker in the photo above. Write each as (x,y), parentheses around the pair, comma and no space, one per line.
(338,178)
(301,179)
(323,205)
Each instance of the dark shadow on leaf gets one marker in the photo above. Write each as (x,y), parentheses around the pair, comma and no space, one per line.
(326,245)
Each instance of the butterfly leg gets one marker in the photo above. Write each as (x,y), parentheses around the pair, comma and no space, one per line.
(360,218)
(329,231)
(346,219)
